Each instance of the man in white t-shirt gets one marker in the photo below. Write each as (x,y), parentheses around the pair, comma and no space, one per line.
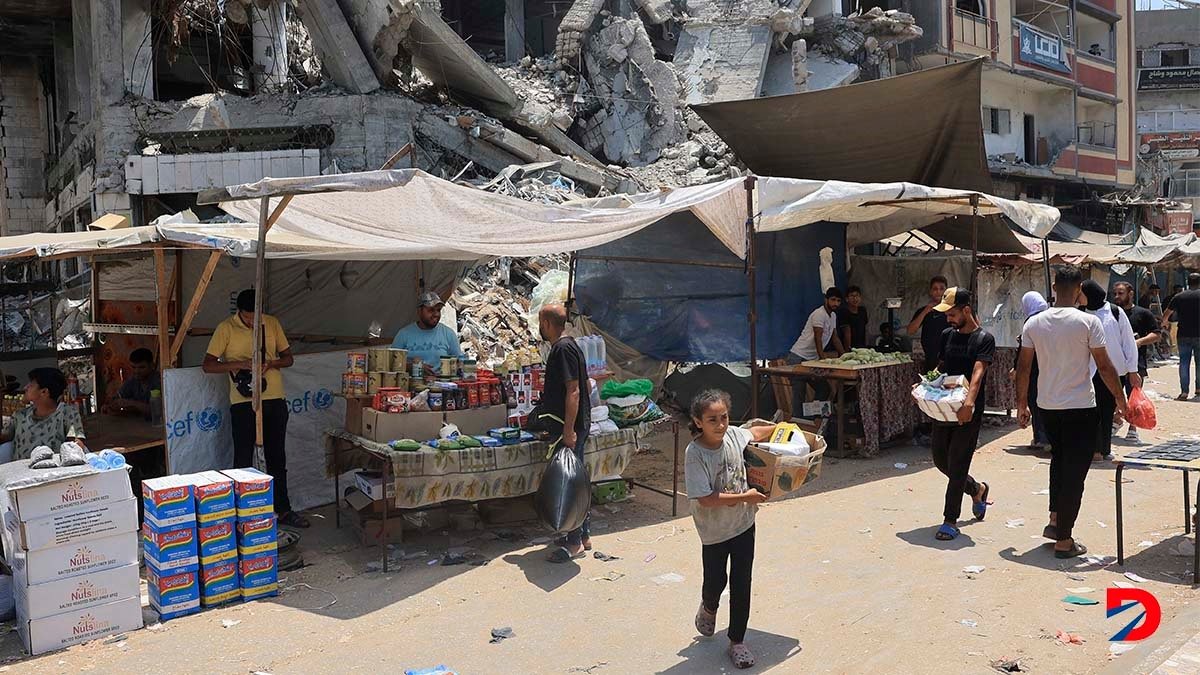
(819,334)
(1065,342)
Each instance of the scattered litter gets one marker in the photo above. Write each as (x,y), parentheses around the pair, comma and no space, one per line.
(668,578)
(1116,649)
(1101,524)
(969,623)
(1186,548)
(974,569)
(1145,543)
(674,531)
(1081,590)
(433,562)
(1068,638)
(417,555)
(154,627)
(1101,561)
(825,562)
(288,589)
(1133,577)
(589,669)
(115,639)
(1076,577)
(501,634)
(1004,666)
(450,559)
(478,563)
(1123,584)
(650,557)
(1079,600)
(229,623)
(865,530)
(1043,492)
(604,557)
(1015,523)
(612,575)
(900,465)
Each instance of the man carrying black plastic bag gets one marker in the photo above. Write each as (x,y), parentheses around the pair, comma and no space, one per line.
(565,408)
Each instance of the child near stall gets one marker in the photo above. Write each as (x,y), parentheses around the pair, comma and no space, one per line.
(723,507)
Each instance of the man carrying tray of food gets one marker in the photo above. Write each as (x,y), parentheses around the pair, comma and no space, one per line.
(966,352)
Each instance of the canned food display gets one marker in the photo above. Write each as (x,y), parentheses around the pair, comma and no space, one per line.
(397,360)
(378,359)
(356,362)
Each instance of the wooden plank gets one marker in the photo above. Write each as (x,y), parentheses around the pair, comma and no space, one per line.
(400,154)
(194,306)
(259,277)
(160,285)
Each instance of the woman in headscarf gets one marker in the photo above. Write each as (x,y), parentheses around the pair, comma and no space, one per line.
(1122,351)
(1033,302)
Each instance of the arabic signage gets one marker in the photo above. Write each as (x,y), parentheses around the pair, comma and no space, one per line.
(1184,77)
(1172,145)
(1042,49)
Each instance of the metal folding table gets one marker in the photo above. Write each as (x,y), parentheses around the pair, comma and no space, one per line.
(1181,455)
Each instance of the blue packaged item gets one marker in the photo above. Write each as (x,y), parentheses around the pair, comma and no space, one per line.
(113,459)
(253,491)
(488,441)
(171,551)
(217,541)
(260,576)
(173,594)
(213,492)
(220,583)
(256,536)
(167,502)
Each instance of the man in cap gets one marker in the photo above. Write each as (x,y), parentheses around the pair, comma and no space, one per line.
(427,338)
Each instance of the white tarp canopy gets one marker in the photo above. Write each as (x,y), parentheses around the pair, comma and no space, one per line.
(47,244)
(409,215)
(1153,249)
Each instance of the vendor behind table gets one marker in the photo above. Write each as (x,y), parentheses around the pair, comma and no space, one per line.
(426,339)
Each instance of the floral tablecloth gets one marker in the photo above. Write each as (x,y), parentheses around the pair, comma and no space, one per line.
(886,405)
(428,477)
(1001,392)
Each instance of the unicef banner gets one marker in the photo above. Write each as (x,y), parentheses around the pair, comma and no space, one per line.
(199,437)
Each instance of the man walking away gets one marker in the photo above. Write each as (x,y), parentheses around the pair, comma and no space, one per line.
(1146,334)
(1065,342)
(966,350)
(1186,308)
(564,406)
(1122,351)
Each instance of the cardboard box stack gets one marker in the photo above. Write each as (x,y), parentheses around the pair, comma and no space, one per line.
(169,545)
(257,540)
(216,535)
(70,537)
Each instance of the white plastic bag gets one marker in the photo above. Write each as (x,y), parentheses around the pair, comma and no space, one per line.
(940,404)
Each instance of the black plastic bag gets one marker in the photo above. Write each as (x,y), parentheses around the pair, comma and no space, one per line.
(563,498)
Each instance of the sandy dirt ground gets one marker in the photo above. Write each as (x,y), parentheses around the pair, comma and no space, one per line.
(848,579)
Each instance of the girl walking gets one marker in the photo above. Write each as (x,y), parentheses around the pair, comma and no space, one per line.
(723,507)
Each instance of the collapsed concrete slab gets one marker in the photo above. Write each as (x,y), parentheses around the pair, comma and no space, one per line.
(341,56)
(639,96)
(573,30)
(721,62)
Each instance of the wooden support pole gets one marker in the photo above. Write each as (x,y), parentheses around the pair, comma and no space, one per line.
(194,306)
(974,246)
(400,154)
(259,278)
(164,297)
(752,315)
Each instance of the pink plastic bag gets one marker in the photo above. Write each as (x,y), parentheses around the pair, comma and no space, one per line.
(1140,411)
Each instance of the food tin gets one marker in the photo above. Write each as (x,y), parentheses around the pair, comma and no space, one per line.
(397,360)
(356,362)
(374,382)
(378,360)
(447,366)
(415,368)
(390,380)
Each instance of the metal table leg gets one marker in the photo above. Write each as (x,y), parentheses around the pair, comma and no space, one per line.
(1187,504)
(1120,519)
(387,483)
(675,469)
(1195,549)
(841,415)
(337,490)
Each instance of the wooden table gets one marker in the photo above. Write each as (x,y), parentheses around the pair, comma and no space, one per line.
(125,434)
(840,377)
(1186,458)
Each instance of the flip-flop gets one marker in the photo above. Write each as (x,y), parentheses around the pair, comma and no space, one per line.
(706,622)
(562,555)
(294,519)
(979,508)
(1077,549)
(562,541)
(946,532)
(1050,532)
(741,656)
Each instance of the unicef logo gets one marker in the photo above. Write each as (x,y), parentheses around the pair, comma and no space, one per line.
(322,399)
(209,419)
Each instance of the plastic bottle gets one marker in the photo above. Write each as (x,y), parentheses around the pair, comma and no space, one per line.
(96,461)
(113,459)
(72,388)
(601,356)
(589,353)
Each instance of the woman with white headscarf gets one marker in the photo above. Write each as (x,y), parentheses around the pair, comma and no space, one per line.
(1033,303)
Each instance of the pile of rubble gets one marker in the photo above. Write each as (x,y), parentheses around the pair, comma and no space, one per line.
(492,303)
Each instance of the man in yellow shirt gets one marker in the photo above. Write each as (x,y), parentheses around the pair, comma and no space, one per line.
(231,351)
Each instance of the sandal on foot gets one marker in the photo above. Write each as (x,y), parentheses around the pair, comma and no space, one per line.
(706,622)
(293,519)
(1182,397)
(741,655)
(946,532)
(1050,532)
(1077,549)
(562,554)
(979,508)
(562,541)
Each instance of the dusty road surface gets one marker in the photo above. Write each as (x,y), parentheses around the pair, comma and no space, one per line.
(848,579)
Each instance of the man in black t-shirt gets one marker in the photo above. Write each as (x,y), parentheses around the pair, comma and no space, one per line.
(852,319)
(1185,308)
(565,406)
(931,323)
(966,350)
(1145,332)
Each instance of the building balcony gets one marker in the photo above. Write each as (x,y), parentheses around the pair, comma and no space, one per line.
(1097,76)
(973,34)
(1091,162)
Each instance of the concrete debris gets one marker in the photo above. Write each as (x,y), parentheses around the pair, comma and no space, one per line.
(867,40)
(303,60)
(492,303)
(572,30)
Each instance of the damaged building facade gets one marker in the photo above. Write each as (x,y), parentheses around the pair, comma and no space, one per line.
(1057,92)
